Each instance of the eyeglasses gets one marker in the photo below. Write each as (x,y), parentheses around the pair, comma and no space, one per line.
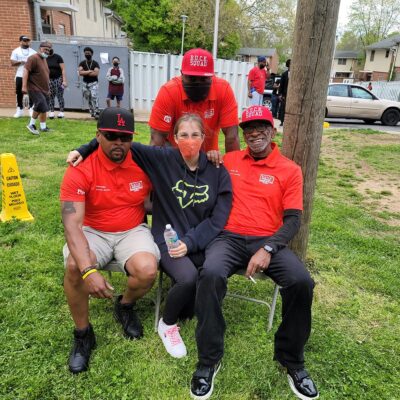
(259,128)
(186,136)
(112,137)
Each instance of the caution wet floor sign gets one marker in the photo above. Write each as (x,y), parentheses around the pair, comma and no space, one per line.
(13,195)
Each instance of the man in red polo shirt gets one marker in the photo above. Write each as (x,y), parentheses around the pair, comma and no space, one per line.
(198,91)
(256,82)
(102,203)
(265,216)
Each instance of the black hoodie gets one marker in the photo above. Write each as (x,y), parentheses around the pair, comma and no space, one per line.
(196,203)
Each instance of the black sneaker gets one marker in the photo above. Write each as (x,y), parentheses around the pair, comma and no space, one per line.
(301,384)
(45,129)
(127,317)
(202,384)
(84,343)
(32,129)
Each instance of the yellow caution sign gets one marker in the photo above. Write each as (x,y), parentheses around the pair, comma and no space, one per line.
(13,195)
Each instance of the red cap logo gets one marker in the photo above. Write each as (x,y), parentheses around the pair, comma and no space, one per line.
(198,62)
(257,113)
(120,120)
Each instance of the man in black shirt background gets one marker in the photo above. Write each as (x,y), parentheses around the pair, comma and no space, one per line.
(89,69)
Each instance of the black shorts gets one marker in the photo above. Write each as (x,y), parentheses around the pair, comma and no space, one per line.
(40,102)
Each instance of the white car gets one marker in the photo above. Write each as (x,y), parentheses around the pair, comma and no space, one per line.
(355,102)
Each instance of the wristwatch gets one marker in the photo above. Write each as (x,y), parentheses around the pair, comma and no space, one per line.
(268,249)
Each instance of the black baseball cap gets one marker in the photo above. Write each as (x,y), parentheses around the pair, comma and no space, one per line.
(116,119)
(23,37)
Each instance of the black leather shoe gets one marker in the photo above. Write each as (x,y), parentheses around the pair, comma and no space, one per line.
(126,316)
(84,343)
(301,384)
(202,384)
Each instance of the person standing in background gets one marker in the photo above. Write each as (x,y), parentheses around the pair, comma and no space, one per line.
(58,82)
(18,59)
(35,82)
(282,91)
(275,98)
(89,69)
(116,78)
(369,87)
(256,82)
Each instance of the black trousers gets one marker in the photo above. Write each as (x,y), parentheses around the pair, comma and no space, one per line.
(282,110)
(225,255)
(184,272)
(20,95)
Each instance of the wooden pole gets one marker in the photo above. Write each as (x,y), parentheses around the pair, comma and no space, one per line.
(314,41)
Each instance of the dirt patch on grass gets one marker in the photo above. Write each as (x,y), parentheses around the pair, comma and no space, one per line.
(380,190)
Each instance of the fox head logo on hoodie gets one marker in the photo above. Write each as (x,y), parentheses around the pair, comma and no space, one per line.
(189,194)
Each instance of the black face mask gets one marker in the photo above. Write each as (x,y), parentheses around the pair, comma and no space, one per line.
(196,91)
(88,57)
(115,64)
(51,52)
(25,46)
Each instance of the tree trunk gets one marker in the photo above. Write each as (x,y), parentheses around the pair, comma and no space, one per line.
(314,42)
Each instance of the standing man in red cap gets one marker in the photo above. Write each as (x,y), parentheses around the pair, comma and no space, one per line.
(197,91)
(265,216)
(256,82)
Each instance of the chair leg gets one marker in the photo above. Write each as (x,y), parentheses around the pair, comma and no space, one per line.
(158,301)
(273,306)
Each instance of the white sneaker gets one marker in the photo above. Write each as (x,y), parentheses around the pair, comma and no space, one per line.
(19,113)
(171,339)
(31,111)
(60,115)
(51,115)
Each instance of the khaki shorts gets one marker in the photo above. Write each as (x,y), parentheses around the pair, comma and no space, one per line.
(118,246)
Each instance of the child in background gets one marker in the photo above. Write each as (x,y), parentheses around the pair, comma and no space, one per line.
(116,78)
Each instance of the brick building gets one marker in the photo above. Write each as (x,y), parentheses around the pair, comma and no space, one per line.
(55,20)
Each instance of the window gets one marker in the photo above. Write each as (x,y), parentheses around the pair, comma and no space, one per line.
(342,61)
(94,11)
(87,10)
(61,29)
(360,93)
(372,56)
(338,90)
(387,53)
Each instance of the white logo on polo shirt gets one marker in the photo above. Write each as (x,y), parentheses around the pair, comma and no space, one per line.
(102,188)
(267,179)
(135,186)
(81,192)
(167,119)
(234,172)
(209,113)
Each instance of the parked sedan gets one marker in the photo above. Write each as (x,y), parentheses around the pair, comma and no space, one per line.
(355,102)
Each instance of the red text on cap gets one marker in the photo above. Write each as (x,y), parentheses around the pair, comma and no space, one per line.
(120,121)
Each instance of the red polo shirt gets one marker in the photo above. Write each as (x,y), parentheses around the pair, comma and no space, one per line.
(257,77)
(218,110)
(113,193)
(262,190)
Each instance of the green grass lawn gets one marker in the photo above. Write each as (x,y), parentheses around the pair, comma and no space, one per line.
(354,257)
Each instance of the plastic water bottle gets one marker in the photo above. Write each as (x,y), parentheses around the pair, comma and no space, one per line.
(171,237)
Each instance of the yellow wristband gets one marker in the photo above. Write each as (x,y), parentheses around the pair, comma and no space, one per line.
(88,273)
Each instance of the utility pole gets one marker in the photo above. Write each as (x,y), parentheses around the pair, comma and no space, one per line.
(216,22)
(314,42)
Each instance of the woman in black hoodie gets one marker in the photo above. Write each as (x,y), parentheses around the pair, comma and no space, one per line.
(195,197)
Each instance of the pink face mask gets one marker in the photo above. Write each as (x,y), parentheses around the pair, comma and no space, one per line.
(189,148)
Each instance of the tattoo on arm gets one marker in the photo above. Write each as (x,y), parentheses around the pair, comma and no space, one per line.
(68,208)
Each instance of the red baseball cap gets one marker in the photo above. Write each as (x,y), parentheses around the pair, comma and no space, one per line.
(256,113)
(198,62)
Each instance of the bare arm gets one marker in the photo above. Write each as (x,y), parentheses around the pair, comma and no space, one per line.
(231,138)
(17,63)
(82,72)
(25,81)
(95,72)
(64,74)
(73,213)
(158,138)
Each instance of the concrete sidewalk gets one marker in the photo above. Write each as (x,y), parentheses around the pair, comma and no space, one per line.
(83,115)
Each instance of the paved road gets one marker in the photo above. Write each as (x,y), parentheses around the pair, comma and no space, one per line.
(357,124)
